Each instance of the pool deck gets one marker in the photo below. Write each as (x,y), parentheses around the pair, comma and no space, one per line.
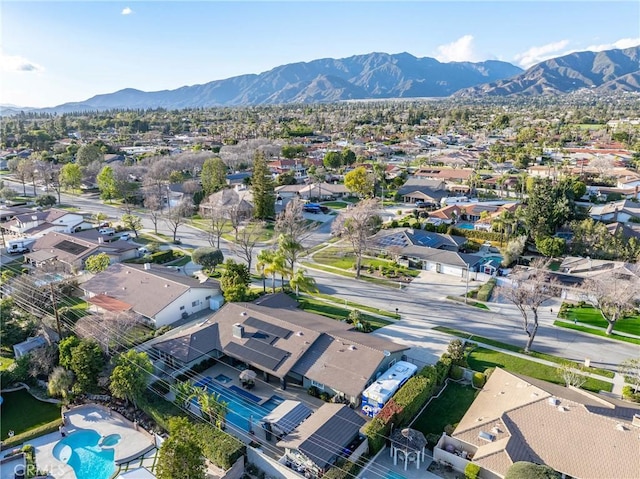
(133,443)
(382,466)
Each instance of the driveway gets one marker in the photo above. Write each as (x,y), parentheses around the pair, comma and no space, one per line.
(430,284)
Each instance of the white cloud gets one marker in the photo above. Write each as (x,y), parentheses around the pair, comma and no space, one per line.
(461,50)
(126,11)
(622,43)
(539,54)
(16,63)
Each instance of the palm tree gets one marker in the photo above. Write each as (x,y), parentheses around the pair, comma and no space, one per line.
(184,392)
(265,258)
(60,381)
(278,265)
(300,281)
(213,406)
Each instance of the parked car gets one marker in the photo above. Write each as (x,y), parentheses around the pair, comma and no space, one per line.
(143,251)
(15,249)
(125,236)
(107,231)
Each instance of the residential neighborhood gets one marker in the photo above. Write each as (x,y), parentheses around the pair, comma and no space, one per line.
(352,300)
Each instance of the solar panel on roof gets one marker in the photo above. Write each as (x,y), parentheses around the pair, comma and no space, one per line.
(258,352)
(70,247)
(267,327)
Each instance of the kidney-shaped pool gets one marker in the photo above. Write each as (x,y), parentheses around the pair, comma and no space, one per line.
(88,454)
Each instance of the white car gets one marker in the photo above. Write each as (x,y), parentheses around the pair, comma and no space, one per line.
(143,251)
(125,236)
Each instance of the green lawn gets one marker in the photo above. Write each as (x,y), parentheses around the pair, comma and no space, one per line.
(595,332)
(359,306)
(345,259)
(446,409)
(590,316)
(182,261)
(14,412)
(336,205)
(469,302)
(516,349)
(336,312)
(481,358)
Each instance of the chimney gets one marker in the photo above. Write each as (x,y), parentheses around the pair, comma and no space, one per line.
(238,330)
(147,266)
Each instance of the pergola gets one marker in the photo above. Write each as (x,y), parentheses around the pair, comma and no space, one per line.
(410,444)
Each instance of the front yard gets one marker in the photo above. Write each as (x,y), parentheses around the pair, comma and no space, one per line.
(590,316)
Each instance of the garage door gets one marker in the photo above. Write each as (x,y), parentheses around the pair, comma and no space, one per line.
(453,270)
(430,266)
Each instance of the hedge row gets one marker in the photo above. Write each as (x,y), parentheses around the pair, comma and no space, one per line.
(343,471)
(483,235)
(484,293)
(407,402)
(219,447)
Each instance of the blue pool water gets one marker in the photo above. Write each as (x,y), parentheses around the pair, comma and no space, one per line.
(246,394)
(272,402)
(223,379)
(240,408)
(393,475)
(80,450)
(464,226)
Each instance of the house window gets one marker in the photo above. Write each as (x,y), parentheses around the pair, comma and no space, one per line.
(195,303)
(207,298)
(393,361)
(320,386)
(181,308)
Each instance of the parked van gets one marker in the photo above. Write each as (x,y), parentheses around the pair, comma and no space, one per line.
(107,231)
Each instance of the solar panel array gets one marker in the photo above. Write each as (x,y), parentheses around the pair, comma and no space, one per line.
(267,327)
(70,247)
(258,352)
(392,240)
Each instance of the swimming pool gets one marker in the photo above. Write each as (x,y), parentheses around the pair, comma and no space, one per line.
(223,379)
(464,226)
(81,451)
(393,475)
(240,408)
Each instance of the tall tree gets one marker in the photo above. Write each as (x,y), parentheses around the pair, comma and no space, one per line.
(263,189)
(213,176)
(177,216)
(132,222)
(107,329)
(613,294)
(348,157)
(216,226)
(154,206)
(265,258)
(357,224)
(107,183)
(130,376)
(97,263)
(213,407)
(86,363)
(87,154)
(246,241)
(301,282)
(528,291)
(360,182)
(234,281)
(60,382)
(332,160)
(71,176)
(180,456)
(293,229)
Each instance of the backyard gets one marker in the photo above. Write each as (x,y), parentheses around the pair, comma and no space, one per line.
(13,412)
(446,409)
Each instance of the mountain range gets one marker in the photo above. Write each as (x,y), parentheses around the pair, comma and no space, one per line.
(380,76)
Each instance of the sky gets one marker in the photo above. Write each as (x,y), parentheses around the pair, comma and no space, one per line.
(55,52)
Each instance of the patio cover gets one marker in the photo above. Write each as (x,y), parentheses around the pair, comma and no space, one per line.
(108,303)
(287,416)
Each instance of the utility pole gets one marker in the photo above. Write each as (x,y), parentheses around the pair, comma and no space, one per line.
(55,311)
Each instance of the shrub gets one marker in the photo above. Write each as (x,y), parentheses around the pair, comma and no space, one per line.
(219,447)
(160,387)
(488,372)
(325,396)
(376,431)
(479,379)
(345,470)
(456,372)
(432,440)
(448,429)
(162,257)
(629,394)
(314,391)
(412,396)
(484,293)
(442,368)
(471,471)
(482,235)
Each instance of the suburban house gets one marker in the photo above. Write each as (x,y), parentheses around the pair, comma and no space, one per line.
(68,252)
(423,189)
(618,211)
(38,223)
(285,344)
(429,251)
(230,202)
(159,294)
(332,432)
(321,191)
(515,418)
